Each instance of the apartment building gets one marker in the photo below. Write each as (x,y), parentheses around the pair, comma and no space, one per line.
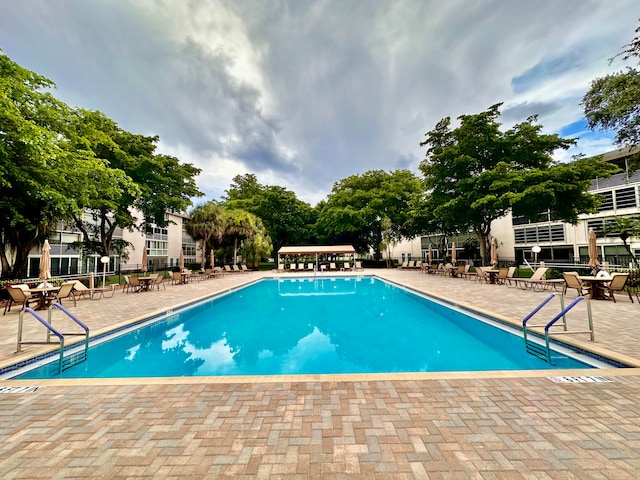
(558,242)
(163,246)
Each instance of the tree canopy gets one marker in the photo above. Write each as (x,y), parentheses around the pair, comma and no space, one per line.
(476,173)
(613,101)
(59,164)
(361,207)
(287,219)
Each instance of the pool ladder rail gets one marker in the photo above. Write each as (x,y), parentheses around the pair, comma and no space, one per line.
(544,351)
(63,362)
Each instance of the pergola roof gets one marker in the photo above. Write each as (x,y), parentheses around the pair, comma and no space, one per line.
(312,249)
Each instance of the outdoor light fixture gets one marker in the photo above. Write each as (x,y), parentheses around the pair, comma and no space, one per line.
(105,261)
(536,251)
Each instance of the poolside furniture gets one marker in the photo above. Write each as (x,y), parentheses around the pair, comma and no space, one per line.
(404,265)
(346,266)
(244,269)
(236,269)
(572,280)
(466,274)
(509,280)
(359,266)
(280,267)
(19,296)
(502,275)
(301,266)
(127,284)
(536,280)
(81,290)
(481,275)
(310,266)
(617,284)
(134,283)
(159,281)
(332,266)
(292,267)
(65,291)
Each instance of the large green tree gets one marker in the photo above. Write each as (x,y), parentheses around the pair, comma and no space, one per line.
(361,207)
(287,219)
(476,173)
(136,189)
(42,176)
(613,101)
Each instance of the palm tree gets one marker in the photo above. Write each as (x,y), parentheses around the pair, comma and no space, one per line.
(240,224)
(206,223)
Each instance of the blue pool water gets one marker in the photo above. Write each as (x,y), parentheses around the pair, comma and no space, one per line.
(309,326)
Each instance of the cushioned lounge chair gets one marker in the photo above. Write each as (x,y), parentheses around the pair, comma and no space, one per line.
(538,279)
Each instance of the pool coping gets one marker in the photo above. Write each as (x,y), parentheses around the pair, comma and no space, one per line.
(631,366)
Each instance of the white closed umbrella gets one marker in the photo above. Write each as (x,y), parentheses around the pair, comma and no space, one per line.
(45,262)
(181,260)
(594,263)
(453,253)
(494,252)
(143,268)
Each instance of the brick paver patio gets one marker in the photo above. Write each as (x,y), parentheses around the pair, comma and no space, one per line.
(491,425)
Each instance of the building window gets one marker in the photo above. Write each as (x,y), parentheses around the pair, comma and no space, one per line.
(607,203)
(157,248)
(626,198)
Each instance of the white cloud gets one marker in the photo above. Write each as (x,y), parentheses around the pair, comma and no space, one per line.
(305,93)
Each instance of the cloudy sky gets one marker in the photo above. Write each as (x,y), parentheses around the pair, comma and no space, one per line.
(304,93)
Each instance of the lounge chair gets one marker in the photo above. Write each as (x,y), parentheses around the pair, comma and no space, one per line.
(359,266)
(332,266)
(127,283)
(292,267)
(243,268)
(301,267)
(466,274)
(310,266)
(509,280)
(346,266)
(617,284)
(19,296)
(571,280)
(536,280)
(236,269)
(404,265)
(280,267)
(176,278)
(227,269)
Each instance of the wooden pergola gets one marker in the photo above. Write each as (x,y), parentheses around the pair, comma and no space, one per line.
(317,250)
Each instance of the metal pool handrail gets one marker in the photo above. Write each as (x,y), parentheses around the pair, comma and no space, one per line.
(536,349)
(62,362)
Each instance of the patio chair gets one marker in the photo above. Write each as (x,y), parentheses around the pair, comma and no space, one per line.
(228,269)
(134,284)
(127,284)
(466,274)
(481,275)
(404,265)
(280,267)
(310,266)
(158,282)
(244,269)
(66,291)
(346,266)
(359,266)
(332,266)
(19,296)
(509,282)
(572,280)
(617,284)
(502,276)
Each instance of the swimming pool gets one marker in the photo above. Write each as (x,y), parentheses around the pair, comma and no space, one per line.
(309,326)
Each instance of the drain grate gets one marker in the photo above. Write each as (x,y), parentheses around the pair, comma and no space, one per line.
(581,379)
(19,389)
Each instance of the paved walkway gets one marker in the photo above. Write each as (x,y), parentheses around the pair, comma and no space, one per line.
(492,425)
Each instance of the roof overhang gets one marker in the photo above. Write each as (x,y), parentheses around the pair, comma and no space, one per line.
(313,249)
